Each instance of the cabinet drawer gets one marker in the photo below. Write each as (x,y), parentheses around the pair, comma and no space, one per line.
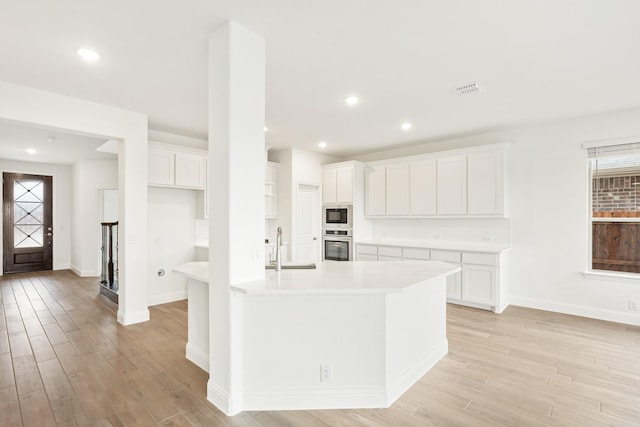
(366,257)
(416,253)
(447,256)
(367,249)
(388,258)
(479,258)
(390,251)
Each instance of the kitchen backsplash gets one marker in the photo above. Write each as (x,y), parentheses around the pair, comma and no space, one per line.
(468,230)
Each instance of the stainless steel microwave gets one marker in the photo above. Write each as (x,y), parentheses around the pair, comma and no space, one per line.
(337,216)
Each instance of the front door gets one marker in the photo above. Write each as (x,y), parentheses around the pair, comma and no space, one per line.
(27,223)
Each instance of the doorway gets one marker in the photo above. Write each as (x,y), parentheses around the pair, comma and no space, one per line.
(27,223)
(308,224)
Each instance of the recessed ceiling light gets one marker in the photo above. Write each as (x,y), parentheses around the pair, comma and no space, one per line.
(32,151)
(266,129)
(322,144)
(351,100)
(51,138)
(406,126)
(88,54)
(470,89)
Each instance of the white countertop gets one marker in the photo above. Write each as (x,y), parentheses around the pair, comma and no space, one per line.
(194,270)
(440,244)
(334,277)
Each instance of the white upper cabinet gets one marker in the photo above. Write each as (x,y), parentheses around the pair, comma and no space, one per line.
(422,187)
(452,185)
(337,185)
(344,184)
(461,183)
(485,182)
(375,190)
(161,167)
(174,166)
(190,170)
(397,189)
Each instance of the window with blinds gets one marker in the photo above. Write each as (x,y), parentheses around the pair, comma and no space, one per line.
(615,207)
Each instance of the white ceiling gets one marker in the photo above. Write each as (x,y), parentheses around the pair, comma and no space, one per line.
(52,146)
(536,60)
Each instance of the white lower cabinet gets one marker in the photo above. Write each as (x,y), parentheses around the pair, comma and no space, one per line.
(479,284)
(476,285)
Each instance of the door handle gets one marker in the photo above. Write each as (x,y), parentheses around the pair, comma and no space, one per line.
(315,238)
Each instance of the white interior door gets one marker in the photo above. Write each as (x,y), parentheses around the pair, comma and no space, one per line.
(308,230)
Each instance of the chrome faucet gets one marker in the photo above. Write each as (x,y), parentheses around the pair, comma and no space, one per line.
(278,244)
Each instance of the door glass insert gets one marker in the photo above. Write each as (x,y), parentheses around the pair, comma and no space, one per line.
(28,214)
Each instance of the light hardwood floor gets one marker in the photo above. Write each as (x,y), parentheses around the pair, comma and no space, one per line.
(64,360)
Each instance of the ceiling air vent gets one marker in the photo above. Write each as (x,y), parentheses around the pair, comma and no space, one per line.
(470,89)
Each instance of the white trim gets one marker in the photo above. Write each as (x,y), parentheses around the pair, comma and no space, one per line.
(316,398)
(77,271)
(615,219)
(133,318)
(611,275)
(578,310)
(197,356)
(222,400)
(609,142)
(412,375)
(166,298)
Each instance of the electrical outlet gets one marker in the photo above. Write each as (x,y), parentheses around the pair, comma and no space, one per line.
(633,305)
(325,373)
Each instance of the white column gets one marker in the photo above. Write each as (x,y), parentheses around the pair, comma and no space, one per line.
(236,182)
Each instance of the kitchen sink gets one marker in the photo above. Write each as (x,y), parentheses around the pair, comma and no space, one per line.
(292,267)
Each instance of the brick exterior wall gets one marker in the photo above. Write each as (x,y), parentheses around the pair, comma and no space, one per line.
(616,196)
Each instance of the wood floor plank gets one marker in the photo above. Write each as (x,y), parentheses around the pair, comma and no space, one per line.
(20,345)
(35,410)
(7,378)
(42,348)
(27,375)
(55,380)
(9,408)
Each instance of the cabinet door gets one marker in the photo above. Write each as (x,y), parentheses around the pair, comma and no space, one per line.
(397,189)
(479,284)
(189,170)
(161,167)
(344,185)
(452,185)
(485,182)
(270,191)
(422,187)
(454,287)
(329,186)
(375,190)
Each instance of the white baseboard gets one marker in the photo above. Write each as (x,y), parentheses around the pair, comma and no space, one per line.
(222,400)
(132,318)
(79,272)
(577,310)
(168,297)
(197,356)
(316,398)
(412,375)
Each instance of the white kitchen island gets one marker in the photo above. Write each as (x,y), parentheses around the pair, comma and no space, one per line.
(345,335)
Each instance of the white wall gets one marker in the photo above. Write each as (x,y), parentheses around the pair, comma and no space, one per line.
(62,197)
(547,179)
(88,177)
(296,166)
(171,231)
(35,107)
